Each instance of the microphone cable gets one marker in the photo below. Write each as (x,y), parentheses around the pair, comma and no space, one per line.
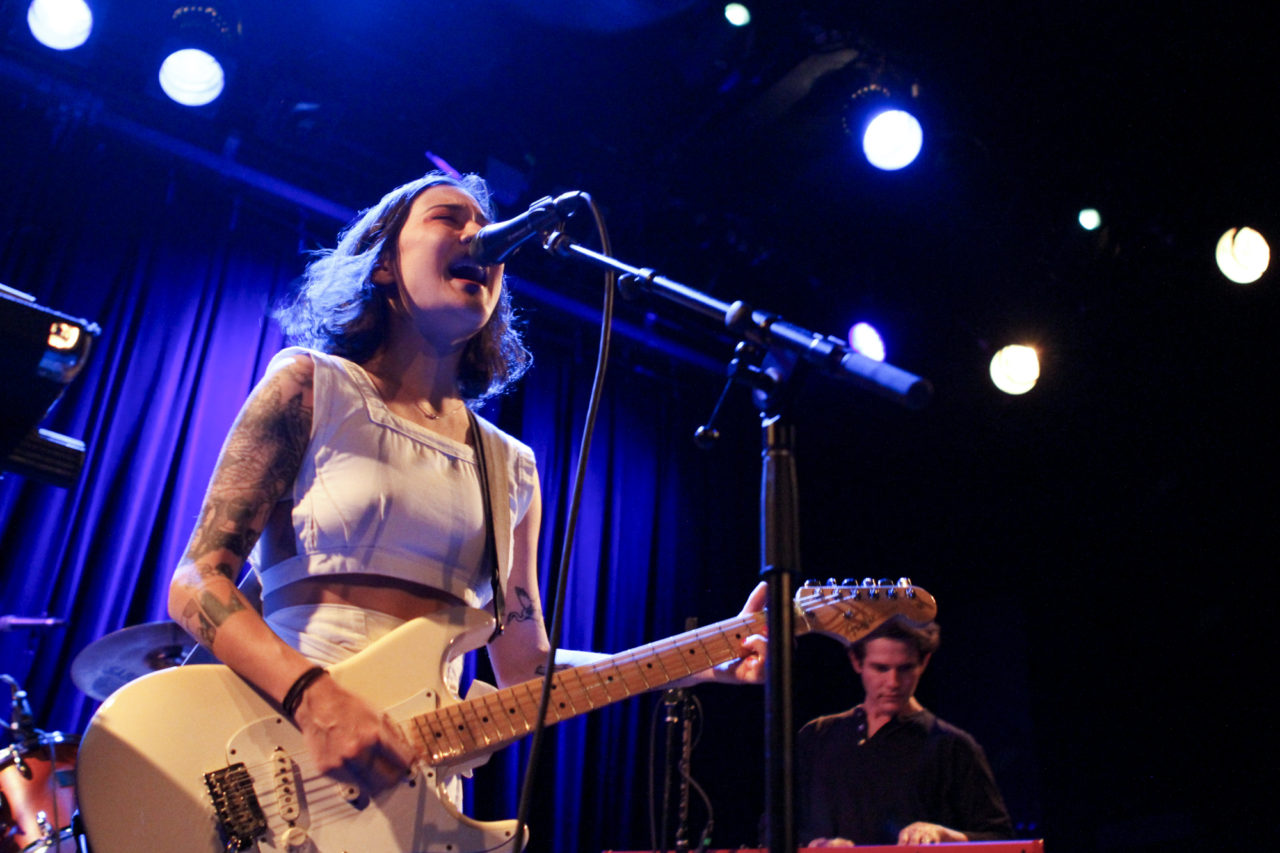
(571,523)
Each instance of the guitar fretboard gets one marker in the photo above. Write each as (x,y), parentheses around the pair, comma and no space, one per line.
(456,732)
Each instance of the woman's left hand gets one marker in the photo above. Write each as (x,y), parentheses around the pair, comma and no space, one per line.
(749,669)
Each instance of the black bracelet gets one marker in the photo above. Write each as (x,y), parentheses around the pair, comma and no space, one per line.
(293,698)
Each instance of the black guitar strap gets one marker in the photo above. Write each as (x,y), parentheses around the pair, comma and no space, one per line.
(490,539)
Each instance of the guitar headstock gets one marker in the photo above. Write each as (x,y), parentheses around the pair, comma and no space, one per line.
(850,610)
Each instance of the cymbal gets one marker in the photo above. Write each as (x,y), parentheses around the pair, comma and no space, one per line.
(109,663)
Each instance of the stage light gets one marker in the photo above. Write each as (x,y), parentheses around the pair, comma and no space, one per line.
(1243,255)
(737,14)
(892,140)
(1015,369)
(864,338)
(192,77)
(1090,219)
(890,135)
(194,73)
(60,24)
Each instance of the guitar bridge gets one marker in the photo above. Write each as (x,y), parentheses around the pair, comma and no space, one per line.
(234,801)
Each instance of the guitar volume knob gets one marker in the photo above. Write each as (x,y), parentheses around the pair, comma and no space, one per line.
(294,836)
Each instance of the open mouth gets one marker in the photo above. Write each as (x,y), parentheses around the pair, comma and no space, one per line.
(468,270)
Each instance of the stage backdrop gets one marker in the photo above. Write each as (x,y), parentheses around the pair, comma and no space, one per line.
(179,267)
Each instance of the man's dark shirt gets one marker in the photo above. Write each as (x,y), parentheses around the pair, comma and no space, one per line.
(916,768)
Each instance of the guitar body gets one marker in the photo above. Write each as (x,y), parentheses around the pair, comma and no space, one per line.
(141,779)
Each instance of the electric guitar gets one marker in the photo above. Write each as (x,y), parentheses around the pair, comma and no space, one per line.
(195,760)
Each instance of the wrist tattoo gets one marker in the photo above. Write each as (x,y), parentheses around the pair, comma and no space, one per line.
(541,669)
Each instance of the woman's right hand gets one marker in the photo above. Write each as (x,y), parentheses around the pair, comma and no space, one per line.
(350,739)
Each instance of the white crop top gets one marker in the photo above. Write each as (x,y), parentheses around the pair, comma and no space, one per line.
(379,495)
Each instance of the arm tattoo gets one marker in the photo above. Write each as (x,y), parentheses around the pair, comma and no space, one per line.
(204,615)
(527,611)
(258,465)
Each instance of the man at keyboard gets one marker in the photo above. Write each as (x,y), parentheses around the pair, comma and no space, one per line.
(888,771)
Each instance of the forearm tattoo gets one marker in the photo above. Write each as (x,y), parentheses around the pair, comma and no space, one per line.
(205,614)
(527,612)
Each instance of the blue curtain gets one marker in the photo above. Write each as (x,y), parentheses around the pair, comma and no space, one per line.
(179,267)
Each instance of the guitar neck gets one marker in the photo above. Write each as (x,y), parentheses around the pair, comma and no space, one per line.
(455,733)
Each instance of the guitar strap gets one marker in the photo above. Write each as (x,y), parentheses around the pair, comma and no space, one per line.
(491,448)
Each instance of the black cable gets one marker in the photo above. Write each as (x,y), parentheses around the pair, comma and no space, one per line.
(584,451)
(653,748)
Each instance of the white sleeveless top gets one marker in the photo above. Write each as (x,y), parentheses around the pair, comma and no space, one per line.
(379,495)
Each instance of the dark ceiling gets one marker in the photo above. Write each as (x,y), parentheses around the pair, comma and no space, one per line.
(695,138)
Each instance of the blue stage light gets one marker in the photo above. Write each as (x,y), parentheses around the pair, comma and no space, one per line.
(191,77)
(737,14)
(60,24)
(864,338)
(892,140)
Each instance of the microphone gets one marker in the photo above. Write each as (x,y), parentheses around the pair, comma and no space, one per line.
(14,623)
(21,720)
(494,243)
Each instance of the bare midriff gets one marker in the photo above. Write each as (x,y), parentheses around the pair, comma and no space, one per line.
(401,599)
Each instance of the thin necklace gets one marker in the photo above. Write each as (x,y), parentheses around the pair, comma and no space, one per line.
(435,416)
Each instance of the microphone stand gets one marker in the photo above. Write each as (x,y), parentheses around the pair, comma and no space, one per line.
(787,346)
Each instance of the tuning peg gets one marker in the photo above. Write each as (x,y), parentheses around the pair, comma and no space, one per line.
(849,582)
(831,582)
(868,582)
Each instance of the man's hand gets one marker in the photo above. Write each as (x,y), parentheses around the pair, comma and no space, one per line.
(928,833)
(831,842)
(351,740)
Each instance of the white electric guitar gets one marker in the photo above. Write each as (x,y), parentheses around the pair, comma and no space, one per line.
(194,760)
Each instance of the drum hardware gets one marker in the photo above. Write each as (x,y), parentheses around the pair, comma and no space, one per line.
(109,663)
(37,784)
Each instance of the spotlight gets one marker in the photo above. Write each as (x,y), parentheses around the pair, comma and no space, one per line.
(864,338)
(890,135)
(1243,255)
(194,72)
(60,24)
(1089,219)
(737,14)
(1015,369)
(192,77)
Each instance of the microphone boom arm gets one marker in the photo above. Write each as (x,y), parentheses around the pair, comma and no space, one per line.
(826,352)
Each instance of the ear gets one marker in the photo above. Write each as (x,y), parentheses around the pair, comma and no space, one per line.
(857,664)
(925,662)
(381,275)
